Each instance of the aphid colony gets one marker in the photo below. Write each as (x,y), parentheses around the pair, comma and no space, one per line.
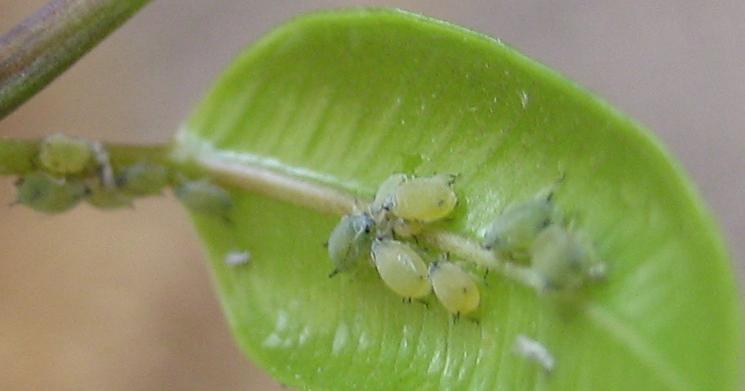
(70,170)
(534,230)
(402,208)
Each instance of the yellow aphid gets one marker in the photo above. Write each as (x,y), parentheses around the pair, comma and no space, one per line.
(424,199)
(384,196)
(401,268)
(454,288)
(562,260)
(64,155)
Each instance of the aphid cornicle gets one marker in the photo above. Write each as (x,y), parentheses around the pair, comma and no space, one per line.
(142,179)
(64,155)
(454,288)
(350,241)
(424,199)
(202,196)
(45,193)
(561,260)
(513,232)
(401,268)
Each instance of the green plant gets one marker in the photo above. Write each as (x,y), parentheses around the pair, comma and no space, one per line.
(311,119)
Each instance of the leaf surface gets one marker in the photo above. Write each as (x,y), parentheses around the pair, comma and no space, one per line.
(343,99)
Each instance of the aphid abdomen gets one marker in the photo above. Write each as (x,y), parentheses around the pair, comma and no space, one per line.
(515,230)
(401,268)
(424,199)
(45,193)
(454,288)
(142,179)
(65,155)
(202,196)
(350,241)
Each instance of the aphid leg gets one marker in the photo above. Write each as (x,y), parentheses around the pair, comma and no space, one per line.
(423,302)
(326,244)
(333,273)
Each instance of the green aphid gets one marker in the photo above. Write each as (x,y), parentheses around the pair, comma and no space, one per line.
(562,261)
(65,155)
(103,197)
(142,179)
(513,232)
(202,196)
(350,241)
(47,194)
(401,268)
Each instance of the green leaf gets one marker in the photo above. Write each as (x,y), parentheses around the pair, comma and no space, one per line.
(340,100)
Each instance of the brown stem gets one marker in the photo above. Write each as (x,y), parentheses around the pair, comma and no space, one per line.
(36,51)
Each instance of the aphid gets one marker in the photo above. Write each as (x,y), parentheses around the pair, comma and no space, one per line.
(513,232)
(454,288)
(424,199)
(401,268)
(103,197)
(384,197)
(45,193)
(202,196)
(142,179)
(534,351)
(561,260)
(64,155)
(236,257)
(350,241)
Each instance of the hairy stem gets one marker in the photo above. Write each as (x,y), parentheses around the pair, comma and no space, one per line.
(36,51)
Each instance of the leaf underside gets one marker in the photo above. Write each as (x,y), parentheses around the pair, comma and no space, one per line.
(346,98)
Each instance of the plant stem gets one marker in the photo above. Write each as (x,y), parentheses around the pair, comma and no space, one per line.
(36,51)
(18,157)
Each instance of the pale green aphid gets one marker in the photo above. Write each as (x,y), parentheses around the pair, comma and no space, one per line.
(64,155)
(350,241)
(142,179)
(45,193)
(202,196)
(103,197)
(384,196)
(455,288)
(401,268)
(424,199)
(562,261)
(513,232)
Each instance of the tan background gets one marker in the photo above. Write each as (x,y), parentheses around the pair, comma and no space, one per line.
(122,301)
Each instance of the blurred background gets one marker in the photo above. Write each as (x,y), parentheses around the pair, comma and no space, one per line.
(122,300)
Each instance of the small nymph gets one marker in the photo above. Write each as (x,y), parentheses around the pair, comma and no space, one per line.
(45,193)
(203,196)
(401,268)
(513,232)
(455,288)
(424,199)
(350,241)
(103,197)
(562,261)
